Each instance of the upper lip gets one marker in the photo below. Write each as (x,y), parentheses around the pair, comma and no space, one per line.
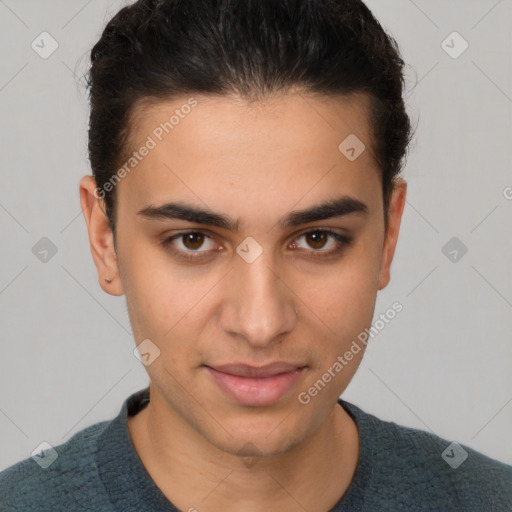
(249,371)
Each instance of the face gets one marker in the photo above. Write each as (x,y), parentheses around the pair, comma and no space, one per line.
(250,250)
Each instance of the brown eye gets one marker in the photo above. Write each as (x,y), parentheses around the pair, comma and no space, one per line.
(316,239)
(193,241)
(194,246)
(322,242)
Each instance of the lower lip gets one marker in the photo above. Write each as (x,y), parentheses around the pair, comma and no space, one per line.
(256,392)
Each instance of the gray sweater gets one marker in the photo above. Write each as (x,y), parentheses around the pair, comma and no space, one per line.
(399,469)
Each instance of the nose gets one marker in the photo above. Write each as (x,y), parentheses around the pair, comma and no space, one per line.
(259,306)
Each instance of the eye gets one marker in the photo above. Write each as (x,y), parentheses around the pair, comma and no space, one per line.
(188,244)
(192,240)
(323,241)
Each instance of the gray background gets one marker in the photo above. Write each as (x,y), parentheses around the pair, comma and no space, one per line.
(443,364)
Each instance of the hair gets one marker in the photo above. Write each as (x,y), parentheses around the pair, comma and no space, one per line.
(161,49)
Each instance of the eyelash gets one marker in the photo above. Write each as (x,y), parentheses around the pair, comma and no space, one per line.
(342,241)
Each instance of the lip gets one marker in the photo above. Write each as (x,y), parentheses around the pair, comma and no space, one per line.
(256,385)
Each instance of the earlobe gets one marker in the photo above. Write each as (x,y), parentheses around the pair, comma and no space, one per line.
(101,240)
(396,208)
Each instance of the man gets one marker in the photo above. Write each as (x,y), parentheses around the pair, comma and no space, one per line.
(246,200)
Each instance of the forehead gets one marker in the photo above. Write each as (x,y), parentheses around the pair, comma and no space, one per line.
(278,150)
(294,116)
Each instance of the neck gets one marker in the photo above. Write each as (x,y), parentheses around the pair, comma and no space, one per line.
(195,475)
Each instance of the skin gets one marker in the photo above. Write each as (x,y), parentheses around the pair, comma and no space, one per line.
(253,162)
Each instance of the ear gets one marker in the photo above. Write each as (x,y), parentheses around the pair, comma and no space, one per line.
(101,238)
(396,208)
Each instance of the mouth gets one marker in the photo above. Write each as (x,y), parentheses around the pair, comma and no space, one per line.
(256,385)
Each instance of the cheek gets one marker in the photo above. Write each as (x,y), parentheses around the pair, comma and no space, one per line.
(171,307)
(162,309)
(343,308)
(158,293)
(343,296)
(343,314)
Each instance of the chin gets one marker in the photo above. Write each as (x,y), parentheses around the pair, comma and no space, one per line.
(252,438)
(256,446)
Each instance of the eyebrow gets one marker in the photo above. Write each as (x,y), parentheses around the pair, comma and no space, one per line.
(339,207)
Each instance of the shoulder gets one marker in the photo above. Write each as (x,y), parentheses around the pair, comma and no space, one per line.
(60,478)
(415,465)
